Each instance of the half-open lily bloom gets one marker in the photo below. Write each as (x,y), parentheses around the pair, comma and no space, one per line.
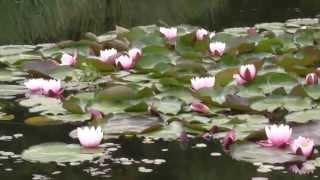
(169,33)
(35,85)
(312,79)
(108,55)
(90,137)
(95,114)
(303,146)
(198,83)
(68,60)
(229,139)
(125,62)
(135,54)
(199,107)
(201,34)
(52,88)
(278,136)
(246,74)
(217,48)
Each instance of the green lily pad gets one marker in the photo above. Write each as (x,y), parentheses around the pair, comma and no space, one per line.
(59,153)
(168,132)
(303,116)
(254,153)
(289,103)
(168,105)
(129,124)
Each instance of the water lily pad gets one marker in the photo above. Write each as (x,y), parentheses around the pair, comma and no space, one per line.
(59,153)
(168,132)
(11,91)
(290,103)
(45,105)
(254,153)
(168,105)
(128,124)
(304,116)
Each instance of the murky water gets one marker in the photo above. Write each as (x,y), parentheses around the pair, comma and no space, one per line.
(132,158)
(34,21)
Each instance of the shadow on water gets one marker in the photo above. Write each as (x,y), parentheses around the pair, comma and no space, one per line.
(35,21)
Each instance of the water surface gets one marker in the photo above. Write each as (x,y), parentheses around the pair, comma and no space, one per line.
(35,21)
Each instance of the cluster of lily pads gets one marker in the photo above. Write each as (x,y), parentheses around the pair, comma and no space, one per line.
(158,82)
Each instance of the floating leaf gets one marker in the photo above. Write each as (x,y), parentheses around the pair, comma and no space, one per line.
(290,103)
(254,153)
(304,116)
(59,153)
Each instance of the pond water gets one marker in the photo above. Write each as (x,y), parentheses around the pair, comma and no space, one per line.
(35,21)
(29,121)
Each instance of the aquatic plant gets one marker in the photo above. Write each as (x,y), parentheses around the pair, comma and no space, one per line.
(303,146)
(90,137)
(68,60)
(198,83)
(278,135)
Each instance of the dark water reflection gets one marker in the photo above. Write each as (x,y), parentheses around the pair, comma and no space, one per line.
(183,162)
(34,21)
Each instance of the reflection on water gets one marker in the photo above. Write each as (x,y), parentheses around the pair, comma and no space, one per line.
(182,162)
(34,21)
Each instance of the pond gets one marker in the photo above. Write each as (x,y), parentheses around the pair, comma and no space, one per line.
(173,101)
(38,21)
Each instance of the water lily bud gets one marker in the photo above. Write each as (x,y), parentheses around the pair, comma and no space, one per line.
(229,139)
(199,107)
(312,79)
(169,33)
(68,60)
(246,74)
(201,34)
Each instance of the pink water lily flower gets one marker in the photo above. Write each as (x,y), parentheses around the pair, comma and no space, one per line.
(41,86)
(303,146)
(169,33)
(246,74)
(278,136)
(229,139)
(312,79)
(68,60)
(201,34)
(52,88)
(252,31)
(95,114)
(35,85)
(217,48)
(198,83)
(90,137)
(135,54)
(125,62)
(199,107)
(108,55)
